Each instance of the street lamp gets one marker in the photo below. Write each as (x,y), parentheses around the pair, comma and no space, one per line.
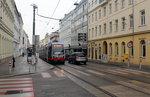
(33,37)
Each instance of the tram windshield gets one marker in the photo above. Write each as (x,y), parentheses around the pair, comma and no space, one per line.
(58,49)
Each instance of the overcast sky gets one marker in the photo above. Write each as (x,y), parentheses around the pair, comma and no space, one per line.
(45,8)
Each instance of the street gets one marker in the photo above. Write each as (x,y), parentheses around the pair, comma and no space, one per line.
(69,80)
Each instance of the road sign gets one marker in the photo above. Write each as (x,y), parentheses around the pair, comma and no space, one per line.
(129,44)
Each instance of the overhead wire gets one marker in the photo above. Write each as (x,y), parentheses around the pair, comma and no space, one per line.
(52,15)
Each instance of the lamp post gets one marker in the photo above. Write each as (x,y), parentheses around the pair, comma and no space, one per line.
(33,37)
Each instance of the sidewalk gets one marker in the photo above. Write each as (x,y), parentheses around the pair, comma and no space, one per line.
(145,68)
(21,67)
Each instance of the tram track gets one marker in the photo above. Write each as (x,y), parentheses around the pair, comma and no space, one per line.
(135,88)
(91,84)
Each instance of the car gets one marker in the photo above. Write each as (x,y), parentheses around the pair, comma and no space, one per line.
(77,57)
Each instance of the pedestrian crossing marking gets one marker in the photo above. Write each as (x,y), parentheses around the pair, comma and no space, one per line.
(59,74)
(16,87)
(46,75)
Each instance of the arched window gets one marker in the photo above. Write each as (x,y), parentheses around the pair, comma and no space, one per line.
(100,52)
(116,49)
(89,52)
(123,48)
(131,50)
(143,48)
(110,49)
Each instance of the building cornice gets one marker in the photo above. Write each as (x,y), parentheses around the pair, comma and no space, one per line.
(6,29)
(119,36)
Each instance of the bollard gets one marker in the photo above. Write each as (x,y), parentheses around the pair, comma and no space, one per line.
(128,62)
(140,66)
(10,67)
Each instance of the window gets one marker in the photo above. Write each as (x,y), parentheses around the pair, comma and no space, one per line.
(104,28)
(131,50)
(116,5)
(95,16)
(92,32)
(110,8)
(116,49)
(100,30)
(89,33)
(110,49)
(95,1)
(143,17)
(95,31)
(100,52)
(143,48)
(123,48)
(131,21)
(92,17)
(104,11)
(99,14)
(89,19)
(130,2)
(116,25)
(123,3)
(123,23)
(110,24)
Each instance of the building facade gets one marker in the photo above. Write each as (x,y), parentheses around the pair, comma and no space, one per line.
(65,31)
(6,30)
(119,31)
(17,30)
(79,27)
(54,36)
(73,29)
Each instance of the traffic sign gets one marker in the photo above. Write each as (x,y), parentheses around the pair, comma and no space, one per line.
(81,36)
(129,44)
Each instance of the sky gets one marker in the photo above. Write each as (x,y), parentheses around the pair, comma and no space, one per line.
(45,8)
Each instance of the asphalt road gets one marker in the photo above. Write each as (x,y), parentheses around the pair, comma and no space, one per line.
(91,80)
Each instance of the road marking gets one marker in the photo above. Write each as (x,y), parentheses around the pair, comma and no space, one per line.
(59,73)
(95,72)
(46,75)
(16,87)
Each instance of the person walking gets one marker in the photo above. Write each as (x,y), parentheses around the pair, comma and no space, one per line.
(13,66)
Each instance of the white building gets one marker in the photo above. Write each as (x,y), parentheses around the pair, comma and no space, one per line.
(17,31)
(54,36)
(6,29)
(65,30)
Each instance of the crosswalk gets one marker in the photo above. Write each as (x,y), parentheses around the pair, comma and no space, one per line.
(16,87)
(53,74)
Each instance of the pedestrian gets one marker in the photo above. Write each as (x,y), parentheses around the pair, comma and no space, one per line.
(13,66)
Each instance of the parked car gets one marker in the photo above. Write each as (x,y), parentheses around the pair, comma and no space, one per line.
(77,57)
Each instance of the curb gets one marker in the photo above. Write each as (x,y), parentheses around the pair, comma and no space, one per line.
(13,75)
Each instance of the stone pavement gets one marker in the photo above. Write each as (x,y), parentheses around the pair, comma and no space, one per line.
(145,68)
(22,67)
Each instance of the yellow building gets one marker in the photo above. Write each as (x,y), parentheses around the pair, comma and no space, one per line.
(119,30)
(6,30)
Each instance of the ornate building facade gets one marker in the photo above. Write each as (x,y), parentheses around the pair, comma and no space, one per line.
(6,29)
(119,31)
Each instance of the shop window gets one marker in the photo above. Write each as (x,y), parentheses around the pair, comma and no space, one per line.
(143,48)
(100,52)
(131,50)
(123,48)
(110,49)
(116,49)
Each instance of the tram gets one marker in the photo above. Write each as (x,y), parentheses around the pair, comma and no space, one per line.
(53,53)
